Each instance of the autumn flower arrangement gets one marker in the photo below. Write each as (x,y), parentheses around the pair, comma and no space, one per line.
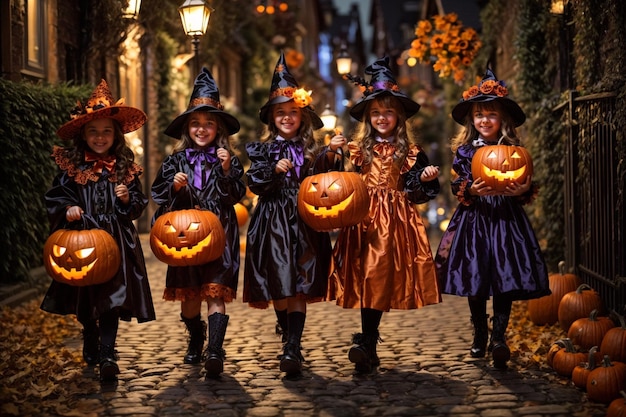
(445,43)
(487,87)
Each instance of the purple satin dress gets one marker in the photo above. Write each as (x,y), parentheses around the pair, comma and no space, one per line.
(489,246)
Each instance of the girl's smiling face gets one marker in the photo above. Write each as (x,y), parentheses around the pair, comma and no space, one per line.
(100,135)
(487,122)
(383,119)
(202,128)
(287,117)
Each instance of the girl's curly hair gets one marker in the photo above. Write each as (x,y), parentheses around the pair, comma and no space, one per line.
(366,134)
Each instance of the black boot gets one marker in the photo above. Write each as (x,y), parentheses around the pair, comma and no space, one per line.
(481,336)
(108,363)
(291,359)
(479,318)
(109,322)
(91,342)
(197,333)
(500,352)
(363,352)
(214,354)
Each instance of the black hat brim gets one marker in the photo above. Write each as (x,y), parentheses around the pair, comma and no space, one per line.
(264,112)
(461,110)
(410,106)
(175,129)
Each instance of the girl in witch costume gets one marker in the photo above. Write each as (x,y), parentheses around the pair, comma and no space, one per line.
(203,173)
(385,262)
(489,248)
(99,180)
(286,261)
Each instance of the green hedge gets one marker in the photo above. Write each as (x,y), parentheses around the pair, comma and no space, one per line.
(30,116)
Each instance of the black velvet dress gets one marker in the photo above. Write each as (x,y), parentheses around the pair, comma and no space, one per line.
(284,256)
(129,290)
(218,193)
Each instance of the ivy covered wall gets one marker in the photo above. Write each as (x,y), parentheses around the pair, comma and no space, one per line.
(594,33)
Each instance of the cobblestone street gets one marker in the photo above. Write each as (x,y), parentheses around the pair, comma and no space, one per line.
(425,369)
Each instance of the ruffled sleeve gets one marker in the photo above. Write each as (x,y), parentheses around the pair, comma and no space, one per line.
(462,166)
(262,177)
(356,154)
(418,191)
(230,188)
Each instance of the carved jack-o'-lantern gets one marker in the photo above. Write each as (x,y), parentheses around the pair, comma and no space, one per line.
(81,257)
(332,200)
(187,237)
(500,165)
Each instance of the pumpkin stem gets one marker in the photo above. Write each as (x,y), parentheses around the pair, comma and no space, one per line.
(592,358)
(583,287)
(567,344)
(606,361)
(621,319)
(562,267)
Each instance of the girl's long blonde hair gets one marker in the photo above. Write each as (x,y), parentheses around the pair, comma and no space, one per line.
(221,138)
(305,131)
(468,132)
(366,134)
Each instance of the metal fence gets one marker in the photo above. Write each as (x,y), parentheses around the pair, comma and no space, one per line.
(595,216)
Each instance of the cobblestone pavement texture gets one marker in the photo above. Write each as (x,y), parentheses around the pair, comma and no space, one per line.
(425,368)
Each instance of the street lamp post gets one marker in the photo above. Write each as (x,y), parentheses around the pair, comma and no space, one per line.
(194,15)
(329,118)
(344,61)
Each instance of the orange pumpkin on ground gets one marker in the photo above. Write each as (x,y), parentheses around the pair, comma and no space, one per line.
(187,237)
(614,342)
(545,310)
(332,200)
(617,408)
(606,381)
(81,257)
(578,304)
(581,372)
(590,331)
(567,358)
(500,165)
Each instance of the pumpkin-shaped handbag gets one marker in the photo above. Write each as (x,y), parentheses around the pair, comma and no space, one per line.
(81,257)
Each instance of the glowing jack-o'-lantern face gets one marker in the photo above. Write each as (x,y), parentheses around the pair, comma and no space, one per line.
(187,237)
(81,257)
(333,200)
(500,165)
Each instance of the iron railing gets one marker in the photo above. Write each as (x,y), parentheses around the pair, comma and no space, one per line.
(595,216)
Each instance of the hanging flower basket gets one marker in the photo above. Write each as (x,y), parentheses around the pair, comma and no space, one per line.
(446,44)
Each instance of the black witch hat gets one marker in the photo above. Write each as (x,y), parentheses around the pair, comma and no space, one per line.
(488,89)
(205,97)
(382,83)
(285,88)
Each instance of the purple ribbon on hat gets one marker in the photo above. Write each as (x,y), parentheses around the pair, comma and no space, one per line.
(201,159)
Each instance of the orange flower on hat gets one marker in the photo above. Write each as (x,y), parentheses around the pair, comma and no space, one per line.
(446,44)
(302,98)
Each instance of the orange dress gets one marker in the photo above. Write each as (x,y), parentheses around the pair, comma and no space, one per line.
(386,262)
